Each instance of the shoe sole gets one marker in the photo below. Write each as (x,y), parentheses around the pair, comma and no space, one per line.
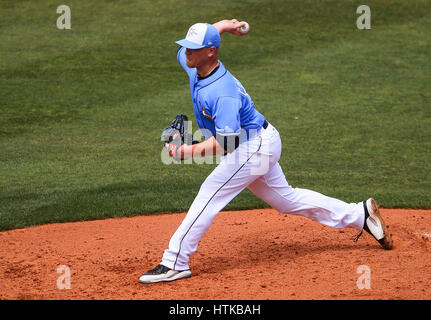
(386,242)
(179,275)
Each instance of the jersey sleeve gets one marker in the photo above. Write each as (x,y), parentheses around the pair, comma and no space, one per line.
(182,60)
(226,116)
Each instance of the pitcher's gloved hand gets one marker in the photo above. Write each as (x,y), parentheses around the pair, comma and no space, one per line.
(176,134)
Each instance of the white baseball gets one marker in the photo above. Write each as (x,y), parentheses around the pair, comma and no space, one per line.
(245,28)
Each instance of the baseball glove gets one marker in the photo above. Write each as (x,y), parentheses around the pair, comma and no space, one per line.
(176,134)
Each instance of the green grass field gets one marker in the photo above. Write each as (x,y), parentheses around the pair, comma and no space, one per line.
(81,109)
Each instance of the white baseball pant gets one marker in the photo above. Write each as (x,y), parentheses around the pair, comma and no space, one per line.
(254,165)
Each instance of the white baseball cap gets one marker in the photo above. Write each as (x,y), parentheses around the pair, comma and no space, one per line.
(201,35)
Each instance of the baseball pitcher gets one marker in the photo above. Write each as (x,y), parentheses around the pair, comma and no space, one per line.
(250,148)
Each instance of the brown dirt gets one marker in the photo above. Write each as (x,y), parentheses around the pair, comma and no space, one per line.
(254,254)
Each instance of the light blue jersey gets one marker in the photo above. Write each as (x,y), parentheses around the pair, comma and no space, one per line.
(220,102)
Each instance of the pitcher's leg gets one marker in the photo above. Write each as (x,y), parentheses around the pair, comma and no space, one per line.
(227,180)
(274,189)
(185,240)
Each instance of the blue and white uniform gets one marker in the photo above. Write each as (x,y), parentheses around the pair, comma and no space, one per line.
(223,107)
(220,102)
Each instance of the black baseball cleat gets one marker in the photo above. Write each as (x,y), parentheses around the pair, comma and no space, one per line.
(375,225)
(163,274)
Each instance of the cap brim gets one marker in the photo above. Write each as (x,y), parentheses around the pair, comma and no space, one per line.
(188,44)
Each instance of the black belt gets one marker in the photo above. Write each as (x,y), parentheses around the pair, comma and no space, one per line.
(265,124)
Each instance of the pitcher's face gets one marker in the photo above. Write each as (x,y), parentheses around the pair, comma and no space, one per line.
(199,57)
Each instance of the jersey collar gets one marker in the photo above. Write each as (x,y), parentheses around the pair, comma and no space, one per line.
(213,77)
